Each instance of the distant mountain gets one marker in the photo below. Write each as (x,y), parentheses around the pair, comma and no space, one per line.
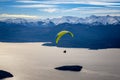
(92,20)
(94,32)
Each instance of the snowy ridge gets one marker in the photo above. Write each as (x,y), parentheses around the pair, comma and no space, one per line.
(92,20)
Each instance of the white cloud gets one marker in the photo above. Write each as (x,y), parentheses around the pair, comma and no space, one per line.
(34,6)
(54,6)
(89,11)
(17,16)
(91,2)
(50,10)
(79,9)
(105,11)
(53,2)
(25,1)
(116,6)
(103,3)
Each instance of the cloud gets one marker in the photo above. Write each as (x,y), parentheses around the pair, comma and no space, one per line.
(103,3)
(79,11)
(50,10)
(28,1)
(34,6)
(17,16)
(53,2)
(90,2)
(57,5)
(105,11)
(116,6)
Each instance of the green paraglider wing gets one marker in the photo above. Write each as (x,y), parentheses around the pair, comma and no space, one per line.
(62,33)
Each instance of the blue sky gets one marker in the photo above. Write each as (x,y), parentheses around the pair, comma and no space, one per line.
(58,8)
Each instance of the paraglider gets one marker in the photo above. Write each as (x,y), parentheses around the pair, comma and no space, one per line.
(62,33)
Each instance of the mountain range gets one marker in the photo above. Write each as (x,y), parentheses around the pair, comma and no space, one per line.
(92,20)
(94,32)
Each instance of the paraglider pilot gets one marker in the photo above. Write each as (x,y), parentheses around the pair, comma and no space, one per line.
(62,33)
(64,51)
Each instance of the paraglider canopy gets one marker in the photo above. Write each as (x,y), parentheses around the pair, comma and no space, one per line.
(62,33)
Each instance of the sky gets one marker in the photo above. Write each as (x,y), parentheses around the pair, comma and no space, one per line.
(58,8)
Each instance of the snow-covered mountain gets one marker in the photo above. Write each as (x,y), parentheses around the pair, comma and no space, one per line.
(92,20)
(66,19)
(102,20)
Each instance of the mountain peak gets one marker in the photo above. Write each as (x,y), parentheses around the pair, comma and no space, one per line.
(93,16)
